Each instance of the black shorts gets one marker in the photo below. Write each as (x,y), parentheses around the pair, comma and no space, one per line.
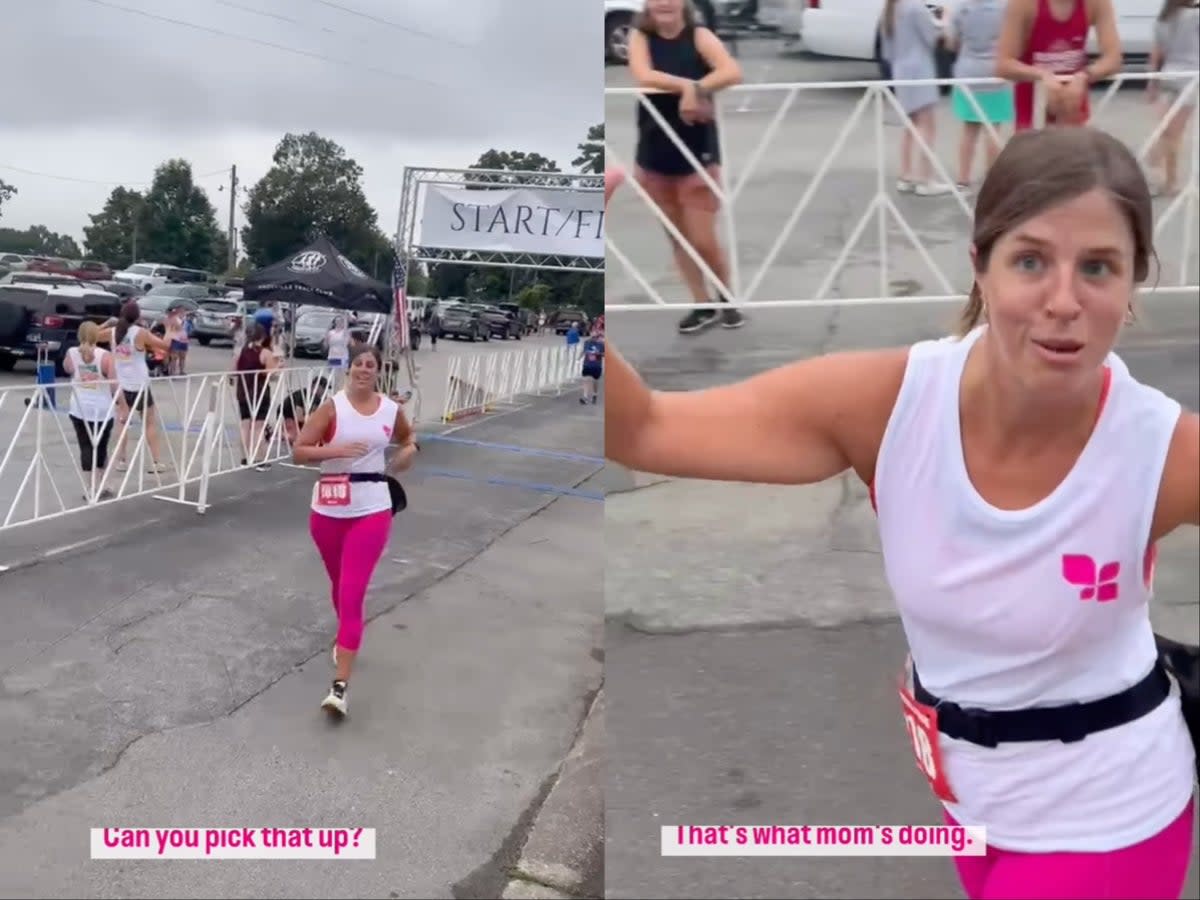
(246,410)
(593,372)
(139,404)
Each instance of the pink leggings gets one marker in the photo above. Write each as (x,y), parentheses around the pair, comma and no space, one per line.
(1155,869)
(350,549)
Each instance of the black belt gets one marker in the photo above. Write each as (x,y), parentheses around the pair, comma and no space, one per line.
(1068,723)
(395,488)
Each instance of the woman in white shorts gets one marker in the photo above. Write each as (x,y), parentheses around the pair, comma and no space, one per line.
(1022,479)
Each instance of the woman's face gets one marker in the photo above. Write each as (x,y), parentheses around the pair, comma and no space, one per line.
(1057,290)
(364,370)
(665,12)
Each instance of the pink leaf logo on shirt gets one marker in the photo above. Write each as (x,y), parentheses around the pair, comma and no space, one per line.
(387,430)
(1095,583)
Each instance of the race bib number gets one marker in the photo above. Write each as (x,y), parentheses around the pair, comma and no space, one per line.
(333,490)
(921,722)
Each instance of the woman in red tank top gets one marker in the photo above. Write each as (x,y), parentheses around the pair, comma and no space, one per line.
(1043,40)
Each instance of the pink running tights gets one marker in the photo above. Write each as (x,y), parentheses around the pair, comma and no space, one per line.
(350,549)
(1155,869)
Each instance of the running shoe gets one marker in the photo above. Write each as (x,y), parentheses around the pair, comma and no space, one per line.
(335,701)
(698,320)
(732,318)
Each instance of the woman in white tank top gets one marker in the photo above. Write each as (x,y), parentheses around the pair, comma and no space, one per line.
(131,343)
(91,409)
(350,436)
(337,340)
(1022,479)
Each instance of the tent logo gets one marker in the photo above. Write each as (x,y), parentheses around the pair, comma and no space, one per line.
(351,267)
(307,262)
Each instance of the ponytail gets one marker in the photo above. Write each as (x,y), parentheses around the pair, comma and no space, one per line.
(972,313)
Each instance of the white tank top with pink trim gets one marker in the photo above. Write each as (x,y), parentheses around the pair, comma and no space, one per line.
(375,430)
(996,614)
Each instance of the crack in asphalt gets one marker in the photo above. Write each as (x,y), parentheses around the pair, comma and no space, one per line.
(636,624)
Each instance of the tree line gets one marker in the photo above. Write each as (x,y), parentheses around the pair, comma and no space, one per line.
(313,187)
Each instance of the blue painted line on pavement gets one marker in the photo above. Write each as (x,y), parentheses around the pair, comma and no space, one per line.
(509,482)
(513,448)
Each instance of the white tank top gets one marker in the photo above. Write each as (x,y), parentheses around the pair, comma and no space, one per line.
(996,616)
(133,373)
(339,344)
(375,431)
(91,397)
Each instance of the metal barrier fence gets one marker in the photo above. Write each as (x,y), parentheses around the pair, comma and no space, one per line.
(477,383)
(878,99)
(50,465)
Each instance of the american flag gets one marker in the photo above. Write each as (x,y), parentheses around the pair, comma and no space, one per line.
(400,325)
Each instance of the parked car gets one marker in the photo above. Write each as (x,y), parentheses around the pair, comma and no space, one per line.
(311,327)
(122,289)
(219,320)
(155,306)
(33,315)
(90,270)
(561,320)
(145,275)
(14,262)
(462,321)
(785,17)
(849,29)
(51,279)
(502,323)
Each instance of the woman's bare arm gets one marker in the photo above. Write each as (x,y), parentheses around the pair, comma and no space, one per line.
(1010,47)
(726,71)
(1108,39)
(799,424)
(1179,491)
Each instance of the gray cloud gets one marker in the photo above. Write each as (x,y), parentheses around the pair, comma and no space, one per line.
(102,94)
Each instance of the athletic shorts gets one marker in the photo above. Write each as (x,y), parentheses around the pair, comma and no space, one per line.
(146,402)
(593,372)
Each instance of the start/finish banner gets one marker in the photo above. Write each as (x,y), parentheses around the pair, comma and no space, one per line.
(516,220)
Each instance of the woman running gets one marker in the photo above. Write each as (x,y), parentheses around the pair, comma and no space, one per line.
(1043,40)
(351,519)
(131,343)
(1022,478)
(593,364)
(255,362)
(669,52)
(1176,49)
(91,409)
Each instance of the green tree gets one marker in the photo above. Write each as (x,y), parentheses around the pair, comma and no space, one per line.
(591,152)
(179,222)
(535,297)
(116,229)
(38,241)
(513,161)
(313,188)
(7,191)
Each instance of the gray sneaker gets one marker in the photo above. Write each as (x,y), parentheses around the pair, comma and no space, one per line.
(698,320)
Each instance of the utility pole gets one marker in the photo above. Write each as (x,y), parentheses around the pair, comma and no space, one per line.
(233,185)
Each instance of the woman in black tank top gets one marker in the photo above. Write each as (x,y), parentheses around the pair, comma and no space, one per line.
(685,64)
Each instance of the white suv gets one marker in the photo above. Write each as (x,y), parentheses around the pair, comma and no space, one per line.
(145,275)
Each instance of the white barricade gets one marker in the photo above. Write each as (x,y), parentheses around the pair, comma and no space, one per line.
(478,383)
(882,209)
(198,433)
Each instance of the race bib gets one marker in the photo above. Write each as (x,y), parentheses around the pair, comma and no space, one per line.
(333,490)
(921,722)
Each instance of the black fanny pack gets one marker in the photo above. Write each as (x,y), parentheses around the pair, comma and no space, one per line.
(1182,661)
(395,488)
(1067,723)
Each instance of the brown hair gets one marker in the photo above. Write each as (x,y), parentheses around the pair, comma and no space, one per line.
(366,348)
(645,24)
(130,313)
(1040,169)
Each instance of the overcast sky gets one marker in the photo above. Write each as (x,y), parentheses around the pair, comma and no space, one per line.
(100,94)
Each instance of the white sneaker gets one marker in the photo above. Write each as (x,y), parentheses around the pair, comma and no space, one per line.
(933,189)
(904,186)
(335,701)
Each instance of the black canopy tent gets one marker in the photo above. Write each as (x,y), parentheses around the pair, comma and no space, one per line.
(319,275)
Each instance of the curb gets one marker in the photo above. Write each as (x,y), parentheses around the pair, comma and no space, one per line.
(563,854)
